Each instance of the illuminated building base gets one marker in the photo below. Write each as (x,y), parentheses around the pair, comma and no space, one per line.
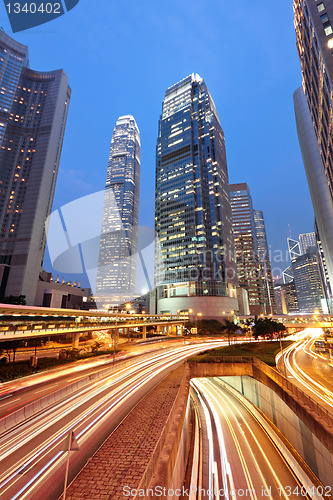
(200,307)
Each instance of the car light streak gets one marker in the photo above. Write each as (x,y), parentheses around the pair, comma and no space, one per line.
(227,479)
(255,475)
(110,393)
(204,386)
(241,417)
(309,384)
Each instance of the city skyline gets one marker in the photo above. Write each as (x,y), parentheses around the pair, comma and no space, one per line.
(251,102)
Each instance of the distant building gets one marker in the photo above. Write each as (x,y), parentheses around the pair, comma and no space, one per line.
(33,114)
(117,263)
(58,294)
(246,244)
(304,274)
(290,298)
(307,241)
(195,266)
(265,263)
(294,248)
(313,110)
(310,295)
(286,298)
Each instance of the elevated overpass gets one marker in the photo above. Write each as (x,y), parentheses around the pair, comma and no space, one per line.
(297,321)
(23,322)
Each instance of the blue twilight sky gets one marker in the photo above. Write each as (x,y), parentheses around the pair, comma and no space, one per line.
(121,56)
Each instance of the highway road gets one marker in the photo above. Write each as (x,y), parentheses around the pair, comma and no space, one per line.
(18,393)
(32,454)
(237,459)
(308,369)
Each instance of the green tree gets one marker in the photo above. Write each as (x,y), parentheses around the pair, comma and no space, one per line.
(15,300)
(230,327)
(262,327)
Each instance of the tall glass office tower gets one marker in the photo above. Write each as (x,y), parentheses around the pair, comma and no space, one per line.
(246,243)
(117,263)
(33,113)
(195,266)
(265,262)
(313,109)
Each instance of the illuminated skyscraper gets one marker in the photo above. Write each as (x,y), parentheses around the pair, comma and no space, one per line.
(195,265)
(265,263)
(117,263)
(33,113)
(246,243)
(313,109)
(307,240)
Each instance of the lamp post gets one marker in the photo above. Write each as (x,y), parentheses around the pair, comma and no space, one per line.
(196,323)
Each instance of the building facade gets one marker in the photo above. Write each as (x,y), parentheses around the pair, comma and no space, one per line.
(310,295)
(33,114)
(117,263)
(313,110)
(246,244)
(306,241)
(265,262)
(195,266)
(304,275)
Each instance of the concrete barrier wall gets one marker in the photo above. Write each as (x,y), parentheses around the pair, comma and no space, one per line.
(220,369)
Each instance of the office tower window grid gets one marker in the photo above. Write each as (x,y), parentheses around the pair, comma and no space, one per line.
(246,243)
(193,215)
(117,265)
(33,111)
(265,263)
(307,240)
(315,44)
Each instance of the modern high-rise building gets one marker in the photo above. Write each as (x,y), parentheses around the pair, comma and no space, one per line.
(117,263)
(265,262)
(246,243)
(304,275)
(33,114)
(307,240)
(313,110)
(310,295)
(195,265)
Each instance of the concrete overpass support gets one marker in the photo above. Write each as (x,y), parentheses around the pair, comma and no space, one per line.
(159,329)
(75,340)
(144,332)
(173,330)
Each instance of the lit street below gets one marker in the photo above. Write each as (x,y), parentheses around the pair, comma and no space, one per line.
(308,369)
(237,459)
(32,454)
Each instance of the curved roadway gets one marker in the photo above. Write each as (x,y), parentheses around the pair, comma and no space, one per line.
(309,370)
(239,459)
(33,456)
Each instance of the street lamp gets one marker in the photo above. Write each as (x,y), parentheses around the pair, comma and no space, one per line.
(196,323)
